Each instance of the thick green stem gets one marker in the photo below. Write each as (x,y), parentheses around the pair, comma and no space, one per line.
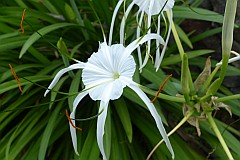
(172,131)
(219,136)
(182,53)
(185,79)
(228,98)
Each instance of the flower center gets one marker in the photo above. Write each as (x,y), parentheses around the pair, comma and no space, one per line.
(116,75)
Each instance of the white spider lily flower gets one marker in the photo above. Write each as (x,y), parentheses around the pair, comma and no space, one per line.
(150,8)
(104,75)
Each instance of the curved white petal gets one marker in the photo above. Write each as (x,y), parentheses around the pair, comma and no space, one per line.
(99,92)
(132,46)
(72,115)
(158,5)
(157,42)
(113,19)
(100,127)
(123,22)
(154,113)
(230,60)
(61,72)
(159,61)
(138,35)
(149,41)
(106,60)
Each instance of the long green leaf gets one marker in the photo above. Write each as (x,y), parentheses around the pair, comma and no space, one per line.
(7,86)
(33,38)
(56,88)
(90,148)
(48,131)
(200,14)
(123,113)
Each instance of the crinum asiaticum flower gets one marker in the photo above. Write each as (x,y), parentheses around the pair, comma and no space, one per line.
(104,75)
(149,8)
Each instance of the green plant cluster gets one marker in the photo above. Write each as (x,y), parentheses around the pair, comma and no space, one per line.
(36,127)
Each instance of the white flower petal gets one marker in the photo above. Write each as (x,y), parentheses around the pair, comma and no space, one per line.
(100,126)
(111,90)
(112,22)
(138,36)
(100,59)
(157,42)
(117,51)
(149,41)
(132,46)
(104,70)
(123,22)
(61,72)
(155,115)
(127,67)
(230,60)
(106,59)
(72,115)
(144,5)
(159,61)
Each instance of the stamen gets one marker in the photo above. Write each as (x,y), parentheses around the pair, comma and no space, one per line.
(70,121)
(21,23)
(16,77)
(161,87)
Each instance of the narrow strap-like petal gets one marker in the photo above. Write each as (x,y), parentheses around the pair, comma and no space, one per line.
(155,115)
(158,61)
(138,36)
(113,20)
(132,46)
(149,31)
(157,56)
(100,127)
(230,60)
(61,72)
(123,22)
(72,116)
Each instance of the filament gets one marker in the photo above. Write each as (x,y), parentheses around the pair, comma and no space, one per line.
(70,121)
(161,87)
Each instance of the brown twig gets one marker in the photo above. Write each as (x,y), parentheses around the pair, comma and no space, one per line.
(16,77)
(70,121)
(161,87)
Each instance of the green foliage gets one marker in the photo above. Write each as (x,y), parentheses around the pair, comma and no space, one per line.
(35,127)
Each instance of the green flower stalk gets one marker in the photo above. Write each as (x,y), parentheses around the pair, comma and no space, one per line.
(218,134)
(227,40)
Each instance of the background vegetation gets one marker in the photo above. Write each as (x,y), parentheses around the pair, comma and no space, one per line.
(35,127)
